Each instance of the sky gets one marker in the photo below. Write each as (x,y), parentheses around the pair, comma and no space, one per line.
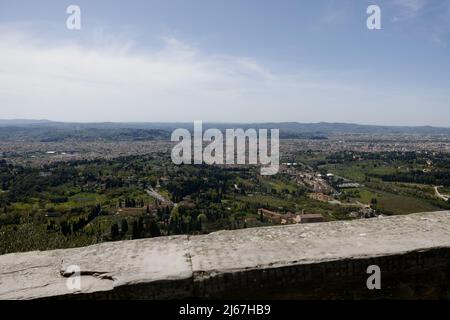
(226,61)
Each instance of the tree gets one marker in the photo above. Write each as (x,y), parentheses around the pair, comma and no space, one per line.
(135,233)
(114,231)
(154,229)
(65,228)
(124,226)
(140,225)
(374,202)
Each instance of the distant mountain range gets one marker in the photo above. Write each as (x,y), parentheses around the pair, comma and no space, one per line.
(23,122)
(46,130)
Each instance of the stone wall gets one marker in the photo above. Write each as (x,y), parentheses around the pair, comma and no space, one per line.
(305,261)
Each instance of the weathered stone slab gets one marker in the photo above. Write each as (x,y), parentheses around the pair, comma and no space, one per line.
(103,267)
(312,243)
(209,265)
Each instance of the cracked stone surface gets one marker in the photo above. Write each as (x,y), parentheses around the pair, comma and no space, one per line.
(107,266)
(102,267)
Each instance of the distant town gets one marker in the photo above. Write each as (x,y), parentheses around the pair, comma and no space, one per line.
(79,190)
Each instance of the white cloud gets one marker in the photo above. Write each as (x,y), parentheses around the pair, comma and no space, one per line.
(408,9)
(113,81)
(440,29)
(411,5)
(430,19)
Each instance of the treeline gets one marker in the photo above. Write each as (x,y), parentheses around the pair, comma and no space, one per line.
(417,176)
(185,220)
(30,182)
(132,203)
(74,224)
(143,227)
(195,179)
(343,157)
(51,134)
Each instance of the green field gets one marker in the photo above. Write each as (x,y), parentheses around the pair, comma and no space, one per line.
(394,203)
(357,171)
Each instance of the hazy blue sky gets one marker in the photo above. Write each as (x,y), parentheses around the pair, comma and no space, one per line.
(229,60)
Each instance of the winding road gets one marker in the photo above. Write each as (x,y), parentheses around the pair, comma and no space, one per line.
(153,193)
